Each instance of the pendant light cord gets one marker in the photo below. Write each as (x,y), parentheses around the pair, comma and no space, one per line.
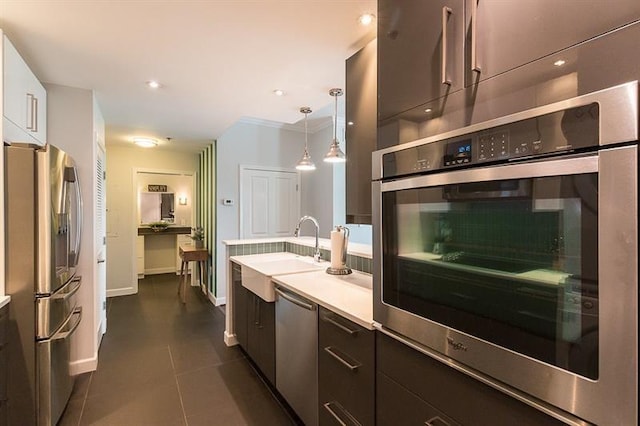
(335,118)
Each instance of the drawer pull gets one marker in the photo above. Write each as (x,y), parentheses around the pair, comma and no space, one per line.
(340,326)
(352,421)
(350,366)
(436,421)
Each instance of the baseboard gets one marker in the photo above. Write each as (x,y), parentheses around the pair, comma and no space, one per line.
(83,366)
(127,291)
(230,339)
(217,301)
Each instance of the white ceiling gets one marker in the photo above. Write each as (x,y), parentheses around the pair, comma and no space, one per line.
(218,61)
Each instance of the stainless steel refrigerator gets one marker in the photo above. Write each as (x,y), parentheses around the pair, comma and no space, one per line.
(43,225)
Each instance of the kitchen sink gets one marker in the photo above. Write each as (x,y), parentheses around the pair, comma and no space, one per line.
(258,269)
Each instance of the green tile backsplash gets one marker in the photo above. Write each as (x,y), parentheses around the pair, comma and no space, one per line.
(357,263)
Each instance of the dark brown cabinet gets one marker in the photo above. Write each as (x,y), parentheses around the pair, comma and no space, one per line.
(254,325)
(506,35)
(361,90)
(408,380)
(4,363)
(346,380)
(261,335)
(420,52)
(240,311)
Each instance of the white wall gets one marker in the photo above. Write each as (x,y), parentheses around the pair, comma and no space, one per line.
(122,208)
(75,125)
(256,145)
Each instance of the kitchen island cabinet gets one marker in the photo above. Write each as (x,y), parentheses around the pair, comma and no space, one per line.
(254,323)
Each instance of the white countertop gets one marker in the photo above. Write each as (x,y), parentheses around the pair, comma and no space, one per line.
(348,295)
(355,249)
(4,300)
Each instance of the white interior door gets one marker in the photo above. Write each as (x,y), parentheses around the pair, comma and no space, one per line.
(270,202)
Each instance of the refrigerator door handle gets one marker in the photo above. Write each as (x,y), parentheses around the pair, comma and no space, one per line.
(71,176)
(63,335)
(66,295)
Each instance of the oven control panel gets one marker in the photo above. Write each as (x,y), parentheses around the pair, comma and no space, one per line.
(556,132)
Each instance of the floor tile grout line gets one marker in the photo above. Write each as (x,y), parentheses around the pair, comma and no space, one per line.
(84,400)
(175,376)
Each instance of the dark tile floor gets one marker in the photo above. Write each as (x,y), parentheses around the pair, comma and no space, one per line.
(165,363)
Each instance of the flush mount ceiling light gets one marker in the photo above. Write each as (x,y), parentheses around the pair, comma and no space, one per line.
(335,154)
(145,142)
(153,84)
(366,19)
(278,92)
(305,163)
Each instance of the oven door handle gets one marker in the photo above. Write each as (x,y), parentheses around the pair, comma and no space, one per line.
(535,169)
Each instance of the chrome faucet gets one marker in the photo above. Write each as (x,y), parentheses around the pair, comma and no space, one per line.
(296,233)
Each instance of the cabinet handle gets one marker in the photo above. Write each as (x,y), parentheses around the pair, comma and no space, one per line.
(436,421)
(474,37)
(30,99)
(446,11)
(327,406)
(331,351)
(259,316)
(34,113)
(340,326)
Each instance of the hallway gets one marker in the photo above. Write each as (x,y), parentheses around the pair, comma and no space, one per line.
(164,363)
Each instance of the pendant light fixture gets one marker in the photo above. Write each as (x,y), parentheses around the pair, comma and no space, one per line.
(305,163)
(335,154)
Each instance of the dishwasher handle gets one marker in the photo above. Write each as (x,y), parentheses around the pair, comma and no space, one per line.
(293,299)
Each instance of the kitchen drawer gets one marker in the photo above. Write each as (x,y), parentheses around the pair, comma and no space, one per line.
(464,399)
(397,406)
(346,370)
(356,341)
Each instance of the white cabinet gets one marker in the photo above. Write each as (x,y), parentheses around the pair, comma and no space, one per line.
(24,100)
(140,256)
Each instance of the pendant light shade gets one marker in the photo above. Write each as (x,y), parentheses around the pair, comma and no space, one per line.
(335,154)
(305,163)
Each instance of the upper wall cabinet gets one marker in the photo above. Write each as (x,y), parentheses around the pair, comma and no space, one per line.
(360,132)
(420,51)
(428,50)
(506,34)
(25,100)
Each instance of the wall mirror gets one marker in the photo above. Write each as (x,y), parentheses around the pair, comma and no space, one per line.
(157,206)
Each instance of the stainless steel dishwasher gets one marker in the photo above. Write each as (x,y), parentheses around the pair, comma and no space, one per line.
(297,353)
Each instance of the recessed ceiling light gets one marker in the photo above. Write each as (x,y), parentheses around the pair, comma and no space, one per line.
(350,123)
(153,84)
(559,62)
(278,92)
(145,142)
(428,110)
(366,19)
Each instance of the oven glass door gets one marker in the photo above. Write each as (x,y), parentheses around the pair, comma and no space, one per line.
(512,261)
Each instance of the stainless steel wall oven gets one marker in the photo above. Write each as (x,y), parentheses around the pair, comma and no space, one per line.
(508,249)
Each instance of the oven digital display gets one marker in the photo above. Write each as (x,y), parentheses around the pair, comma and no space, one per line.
(458,153)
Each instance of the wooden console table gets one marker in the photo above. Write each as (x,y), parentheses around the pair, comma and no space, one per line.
(187,254)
